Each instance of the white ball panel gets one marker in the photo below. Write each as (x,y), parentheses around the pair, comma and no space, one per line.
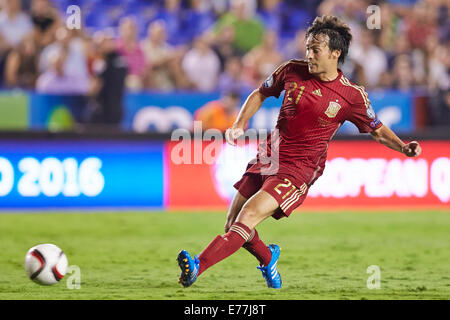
(54,257)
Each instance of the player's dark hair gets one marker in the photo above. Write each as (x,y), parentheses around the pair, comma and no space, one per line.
(338,33)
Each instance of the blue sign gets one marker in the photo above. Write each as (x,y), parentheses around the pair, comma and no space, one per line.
(164,112)
(80,173)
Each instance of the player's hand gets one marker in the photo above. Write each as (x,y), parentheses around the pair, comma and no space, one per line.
(232,134)
(412,149)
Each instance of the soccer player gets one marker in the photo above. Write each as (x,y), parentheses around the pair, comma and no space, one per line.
(318,99)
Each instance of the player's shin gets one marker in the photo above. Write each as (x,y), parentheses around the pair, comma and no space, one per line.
(258,249)
(223,246)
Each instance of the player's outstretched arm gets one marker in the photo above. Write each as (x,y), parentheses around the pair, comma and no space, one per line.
(248,109)
(387,137)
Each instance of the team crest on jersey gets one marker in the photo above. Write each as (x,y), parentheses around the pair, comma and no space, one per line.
(370,112)
(333,109)
(269,82)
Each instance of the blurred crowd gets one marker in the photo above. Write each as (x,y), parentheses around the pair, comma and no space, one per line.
(222,45)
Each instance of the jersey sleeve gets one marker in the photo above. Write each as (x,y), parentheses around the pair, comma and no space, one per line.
(362,114)
(274,84)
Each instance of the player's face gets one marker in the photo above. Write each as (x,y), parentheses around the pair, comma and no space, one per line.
(320,58)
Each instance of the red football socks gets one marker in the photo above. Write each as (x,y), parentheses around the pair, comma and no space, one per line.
(223,246)
(258,248)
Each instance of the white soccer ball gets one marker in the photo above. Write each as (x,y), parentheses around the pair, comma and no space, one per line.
(46,264)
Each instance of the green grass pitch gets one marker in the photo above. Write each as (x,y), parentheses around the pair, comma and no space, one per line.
(132,255)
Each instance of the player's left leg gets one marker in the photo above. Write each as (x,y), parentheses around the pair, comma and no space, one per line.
(288,198)
(258,249)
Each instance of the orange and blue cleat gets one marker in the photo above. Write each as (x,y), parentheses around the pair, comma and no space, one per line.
(189,268)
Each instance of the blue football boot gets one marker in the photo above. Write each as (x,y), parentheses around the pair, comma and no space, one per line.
(270,272)
(189,268)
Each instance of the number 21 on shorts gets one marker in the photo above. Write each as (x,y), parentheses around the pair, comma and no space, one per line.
(291,193)
(289,188)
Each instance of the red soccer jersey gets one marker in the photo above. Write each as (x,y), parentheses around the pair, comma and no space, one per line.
(311,113)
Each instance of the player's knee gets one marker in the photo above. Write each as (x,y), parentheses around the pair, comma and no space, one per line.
(249,216)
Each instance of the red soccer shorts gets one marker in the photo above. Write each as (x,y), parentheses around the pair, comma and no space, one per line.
(285,193)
